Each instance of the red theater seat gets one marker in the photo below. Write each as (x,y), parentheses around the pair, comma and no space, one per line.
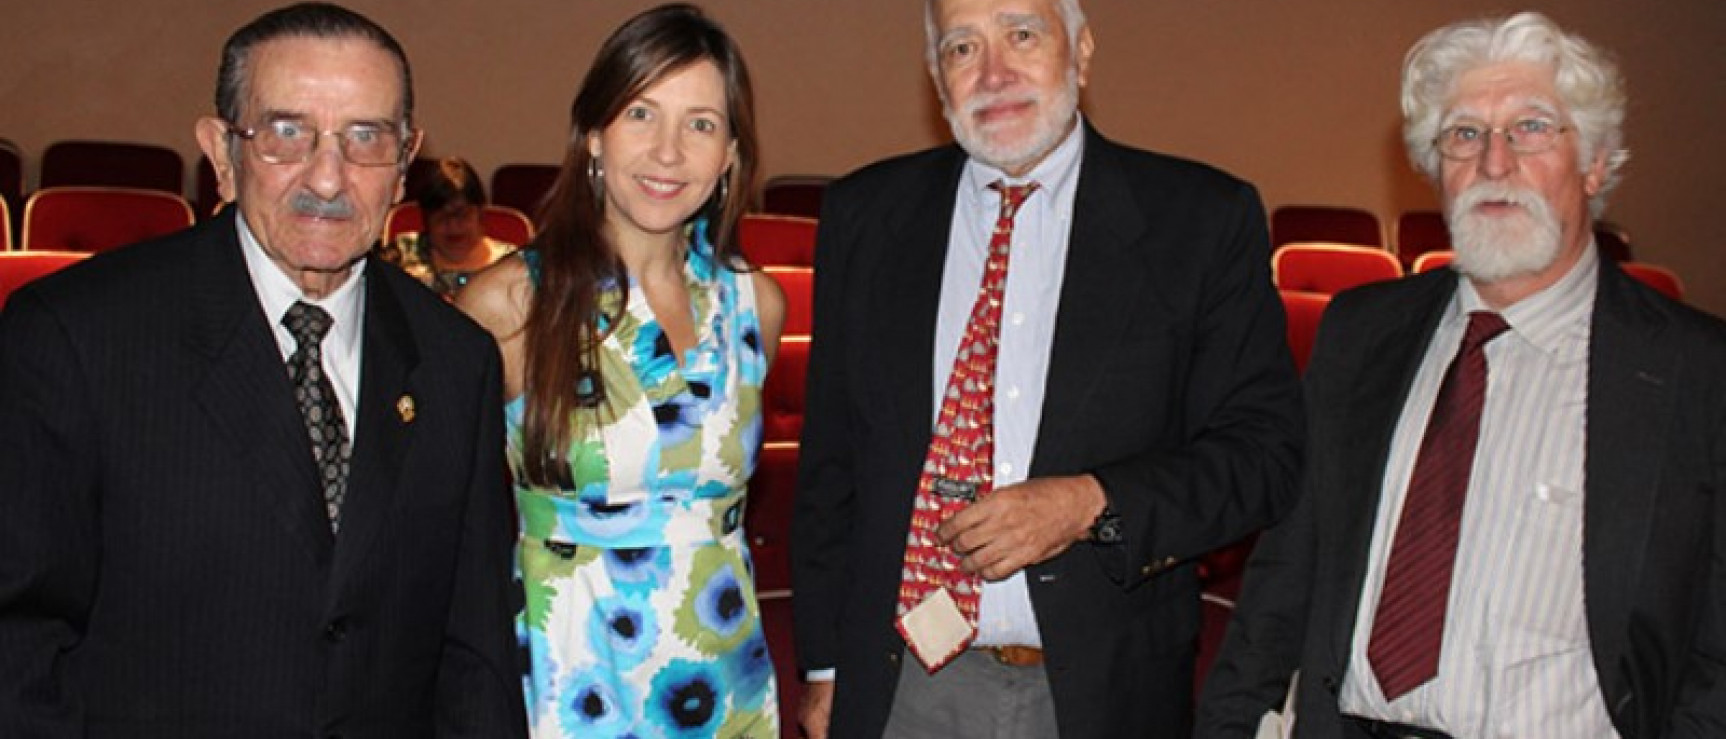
(799,286)
(1657,277)
(1303,309)
(1331,268)
(522,186)
(1296,223)
(777,241)
(795,195)
(18,268)
(113,164)
(500,222)
(94,219)
(782,401)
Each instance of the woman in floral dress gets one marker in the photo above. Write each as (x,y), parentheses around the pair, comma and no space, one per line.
(636,342)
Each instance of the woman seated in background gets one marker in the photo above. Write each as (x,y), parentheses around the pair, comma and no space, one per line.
(453,245)
(635,343)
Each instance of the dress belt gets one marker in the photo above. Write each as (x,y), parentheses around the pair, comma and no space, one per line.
(1386,730)
(1014,655)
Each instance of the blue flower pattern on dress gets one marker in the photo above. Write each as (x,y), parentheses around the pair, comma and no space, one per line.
(641,618)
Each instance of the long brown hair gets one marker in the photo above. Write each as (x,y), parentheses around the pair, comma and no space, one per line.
(576,260)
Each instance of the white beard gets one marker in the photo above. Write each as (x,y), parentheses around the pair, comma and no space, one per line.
(1052,126)
(1491,249)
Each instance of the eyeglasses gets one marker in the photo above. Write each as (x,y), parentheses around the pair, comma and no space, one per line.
(1465,141)
(292,141)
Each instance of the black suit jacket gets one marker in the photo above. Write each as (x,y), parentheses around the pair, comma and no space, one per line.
(1654,552)
(166,568)
(1168,379)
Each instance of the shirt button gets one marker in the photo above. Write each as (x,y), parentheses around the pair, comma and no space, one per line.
(1013,393)
(1018,318)
(1006,469)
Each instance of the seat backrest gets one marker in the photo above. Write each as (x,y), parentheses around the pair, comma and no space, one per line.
(1297,223)
(93,219)
(1419,232)
(5,226)
(500,222)
(522,186)
(113,164)
(1432,260)
(1303,310)
(794,195)
(1331,268)
(799,286)
(11,175)
(1657,277)
(18,268)
(777,241)
(782,401)
(506,224)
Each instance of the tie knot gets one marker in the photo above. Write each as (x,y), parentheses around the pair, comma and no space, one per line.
(308,323)
(1012,196)
(1483,326)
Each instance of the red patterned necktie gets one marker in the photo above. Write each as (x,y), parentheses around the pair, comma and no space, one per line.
(1408,631)
(958,468)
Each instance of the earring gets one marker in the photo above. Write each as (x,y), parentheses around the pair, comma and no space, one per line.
(596,181)
(719,205)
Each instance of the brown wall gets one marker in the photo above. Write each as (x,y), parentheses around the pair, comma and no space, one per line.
(1298,96)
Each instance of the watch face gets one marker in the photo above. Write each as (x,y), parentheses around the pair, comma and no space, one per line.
(1107,529)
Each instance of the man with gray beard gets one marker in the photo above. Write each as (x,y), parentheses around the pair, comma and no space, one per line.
(1048,374)
(1514,521)
(251,479)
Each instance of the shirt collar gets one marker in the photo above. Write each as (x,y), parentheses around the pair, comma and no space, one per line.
(1052,174)
(277,293)
(1546,318)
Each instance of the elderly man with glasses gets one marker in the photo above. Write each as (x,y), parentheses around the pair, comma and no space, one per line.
(1512,521)
(252,477)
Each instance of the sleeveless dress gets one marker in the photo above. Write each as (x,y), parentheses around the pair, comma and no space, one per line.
(641,618)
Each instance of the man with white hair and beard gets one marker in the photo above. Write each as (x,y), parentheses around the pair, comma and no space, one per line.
(1048,374)
(1512,513)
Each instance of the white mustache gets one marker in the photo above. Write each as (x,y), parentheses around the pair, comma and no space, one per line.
(307,204)
(977,104)
(1497,192)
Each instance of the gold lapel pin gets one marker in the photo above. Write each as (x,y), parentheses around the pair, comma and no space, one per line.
(405,408)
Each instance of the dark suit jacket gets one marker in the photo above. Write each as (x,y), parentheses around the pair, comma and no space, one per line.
(1654,552)
(166,568)
(1168,379)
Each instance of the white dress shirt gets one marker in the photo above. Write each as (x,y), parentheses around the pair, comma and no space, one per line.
(346,306)
(1516,659)
(1035,267)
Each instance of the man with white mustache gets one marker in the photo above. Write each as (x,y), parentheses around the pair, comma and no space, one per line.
(1514,510)
(1142,409)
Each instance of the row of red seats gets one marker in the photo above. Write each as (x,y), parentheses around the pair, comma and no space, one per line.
(1330,268)
(1414,232)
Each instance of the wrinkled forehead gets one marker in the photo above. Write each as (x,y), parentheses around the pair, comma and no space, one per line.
(1504,91)
(347,79)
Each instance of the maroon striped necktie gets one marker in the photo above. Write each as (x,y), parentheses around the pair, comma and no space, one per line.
(1408,630)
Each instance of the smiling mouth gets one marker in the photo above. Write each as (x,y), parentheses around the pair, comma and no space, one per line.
(659,187)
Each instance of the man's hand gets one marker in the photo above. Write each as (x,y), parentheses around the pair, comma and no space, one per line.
(1023,524)
(816,707)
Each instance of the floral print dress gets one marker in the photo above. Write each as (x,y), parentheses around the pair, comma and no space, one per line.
(641,619)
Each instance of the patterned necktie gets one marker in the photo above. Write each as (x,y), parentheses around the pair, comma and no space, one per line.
(316,397)
(1408,631)
(958,468)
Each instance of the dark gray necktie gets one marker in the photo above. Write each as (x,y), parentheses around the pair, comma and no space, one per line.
(316,396)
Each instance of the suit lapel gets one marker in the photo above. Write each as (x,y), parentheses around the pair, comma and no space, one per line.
(385,410)
(1630,402)
(1386,356)
(1103,284)
(906,289)
(244,390)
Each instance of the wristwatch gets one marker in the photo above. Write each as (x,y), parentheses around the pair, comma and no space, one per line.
(1107,528)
